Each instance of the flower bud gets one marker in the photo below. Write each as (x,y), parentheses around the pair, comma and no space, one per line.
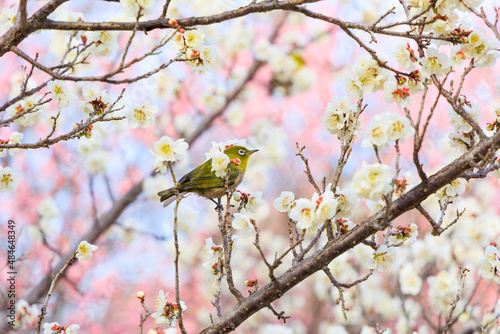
(251,282)
(140,295)
(237,196)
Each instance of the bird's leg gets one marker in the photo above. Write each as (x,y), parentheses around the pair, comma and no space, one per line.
(218,204)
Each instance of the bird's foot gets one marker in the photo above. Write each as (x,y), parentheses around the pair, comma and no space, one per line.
(218,205)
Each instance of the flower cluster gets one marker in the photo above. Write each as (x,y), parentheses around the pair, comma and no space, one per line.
(490,264)
(103,42)
(166,312)
(55,328)
(166,150)
(96,101)
(290,73)
(339,118)
(198,55)
(401,234)
(368,77)
(134,7)
(395,90)
(214,255)
(405,56)
(15,138)
(387,127)
(95,157)
(453,189)
(26,314)
(313,213)
(47,210)
(372,181)
(442,291)
(25,112)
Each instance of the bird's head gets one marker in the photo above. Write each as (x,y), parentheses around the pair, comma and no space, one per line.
(239,152)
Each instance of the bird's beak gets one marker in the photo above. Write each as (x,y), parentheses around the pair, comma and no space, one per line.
(252,152)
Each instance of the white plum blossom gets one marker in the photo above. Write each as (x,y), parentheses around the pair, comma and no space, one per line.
(152,185)
(394,92)
(372,181)
(457,55)
(339,117)
(382,258)
(405,56)
(442,290)
(402,234)
(59,92)
(284,201)
(193,38)
(326,206)
(376,133)
(85,251)
(141,115)
(132,7)
(166,313)
(303,212)
(27,107)
(490,264)
(398,127)
(459,123)
(55,328)
(72,329)
(96,161)
(482,49)
(368,77)
(387,127)
(434,62)
(167,150)
(211,251)
(347,201)
(15,138)
(453,189)
(92,92)
(103,42)
(8,179)
(206,57)
(409,280)
(7,18)
(334,119)
(48,208)
(255,201)
(220,162)
(95,100)
(462,141)
(242,223)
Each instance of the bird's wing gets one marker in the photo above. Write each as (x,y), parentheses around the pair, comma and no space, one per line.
(202,177)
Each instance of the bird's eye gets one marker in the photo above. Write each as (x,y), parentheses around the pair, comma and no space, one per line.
(241,152)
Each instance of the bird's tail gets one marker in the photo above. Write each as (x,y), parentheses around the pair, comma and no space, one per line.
(167,196)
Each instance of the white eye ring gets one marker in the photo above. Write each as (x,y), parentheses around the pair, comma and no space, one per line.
(241,152)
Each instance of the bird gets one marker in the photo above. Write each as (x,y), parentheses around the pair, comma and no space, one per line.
(202,180)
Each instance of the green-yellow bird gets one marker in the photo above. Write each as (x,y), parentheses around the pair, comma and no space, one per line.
(203,181)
